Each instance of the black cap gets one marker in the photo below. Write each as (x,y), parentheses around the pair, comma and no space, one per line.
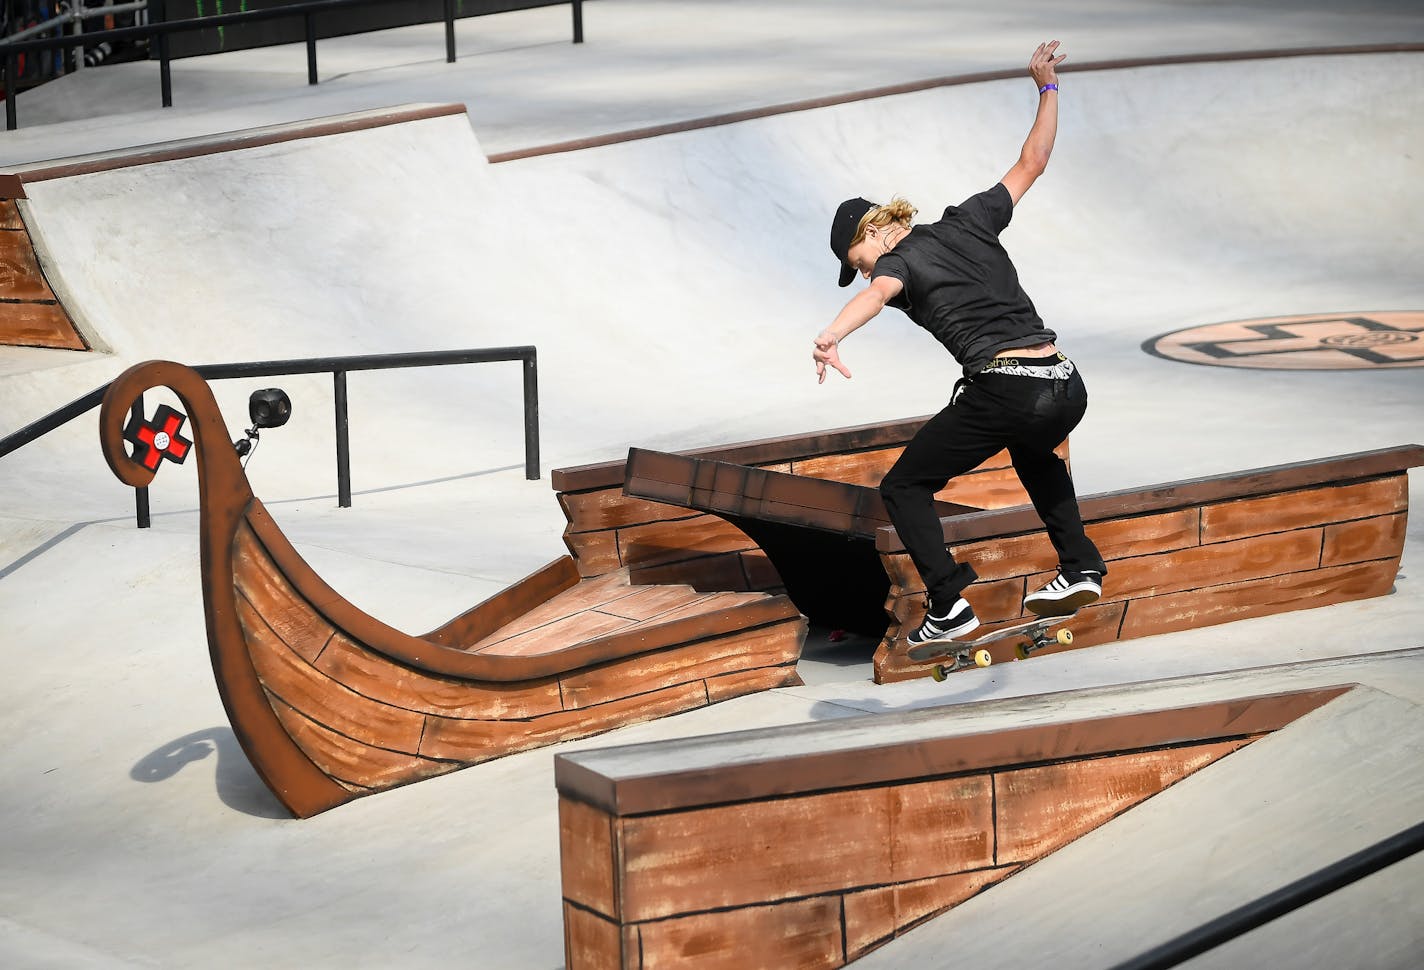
(843,228)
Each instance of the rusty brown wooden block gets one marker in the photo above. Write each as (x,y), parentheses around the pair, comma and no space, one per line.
(864,468)
(10,216)
(767,647)
(741,682)
(725,571)
(745,854)
(805,934)
(472,741)
(1205,566)
(595,553)
(873,917)
(20,275)
(1238,601)
(391,683)
(1041,809)
(663,542)
(594,943)
(1021,555)
(609,508)
(587,858)
(353,763)
(1378,538)
(38,325)
(1304,508)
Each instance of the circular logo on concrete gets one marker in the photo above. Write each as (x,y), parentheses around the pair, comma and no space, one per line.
(1343,341)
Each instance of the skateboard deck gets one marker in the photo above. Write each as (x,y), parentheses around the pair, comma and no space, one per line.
(970,653)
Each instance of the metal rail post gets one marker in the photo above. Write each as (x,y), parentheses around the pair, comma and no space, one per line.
(449,31)
(309,20)
(343,441)
(531,416)
(136,413)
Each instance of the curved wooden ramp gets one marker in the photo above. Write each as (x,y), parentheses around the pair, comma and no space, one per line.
(330,704)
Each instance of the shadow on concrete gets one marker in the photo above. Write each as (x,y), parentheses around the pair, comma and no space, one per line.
(238,785)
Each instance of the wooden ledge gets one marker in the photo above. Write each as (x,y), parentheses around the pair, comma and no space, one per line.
(12,182)
(883,749)
(1175,495)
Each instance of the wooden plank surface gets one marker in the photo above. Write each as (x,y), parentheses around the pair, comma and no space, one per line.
(759,852)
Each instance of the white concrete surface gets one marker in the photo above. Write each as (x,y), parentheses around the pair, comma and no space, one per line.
(672,287)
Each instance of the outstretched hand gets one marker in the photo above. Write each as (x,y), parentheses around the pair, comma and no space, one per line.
(827,353)
(1043,65)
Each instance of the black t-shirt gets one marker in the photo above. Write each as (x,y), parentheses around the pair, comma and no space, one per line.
(960,285)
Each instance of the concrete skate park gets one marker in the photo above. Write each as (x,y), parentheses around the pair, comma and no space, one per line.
(649,210)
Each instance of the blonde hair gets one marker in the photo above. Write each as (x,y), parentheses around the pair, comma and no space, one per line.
(899,210)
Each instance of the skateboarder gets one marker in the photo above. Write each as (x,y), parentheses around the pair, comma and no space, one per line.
(954,279)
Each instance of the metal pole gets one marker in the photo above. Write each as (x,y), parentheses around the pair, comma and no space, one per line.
(78,34)
(531,417)
(578,21)
(343,443)
(311,47)
(11,122)
(141,493)
(165,69)
(449,31)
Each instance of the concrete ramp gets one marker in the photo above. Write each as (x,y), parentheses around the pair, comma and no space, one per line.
(1330,784)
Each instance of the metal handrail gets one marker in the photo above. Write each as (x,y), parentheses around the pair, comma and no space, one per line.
(161,28)
(1288,898)
(338,367)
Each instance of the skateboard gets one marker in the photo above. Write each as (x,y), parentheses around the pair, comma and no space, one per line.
(970,653)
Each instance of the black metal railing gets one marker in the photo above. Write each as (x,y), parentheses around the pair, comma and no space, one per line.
(1288,898)
(338,367)
(161,29)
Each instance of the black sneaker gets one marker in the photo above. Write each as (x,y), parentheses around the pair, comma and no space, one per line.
(958,621)
(1069,592)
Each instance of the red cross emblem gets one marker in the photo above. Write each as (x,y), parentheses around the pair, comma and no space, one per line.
(158,439)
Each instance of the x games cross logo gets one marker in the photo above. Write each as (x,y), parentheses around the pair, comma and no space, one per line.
(158,439)
(1322,342)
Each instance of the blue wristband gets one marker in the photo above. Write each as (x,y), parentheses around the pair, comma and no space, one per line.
(1047,87)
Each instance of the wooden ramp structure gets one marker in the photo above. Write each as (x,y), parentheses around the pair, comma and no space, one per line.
(1180,555)
(331,704)
(814,844)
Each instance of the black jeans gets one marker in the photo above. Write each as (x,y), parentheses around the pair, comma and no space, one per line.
(987,413)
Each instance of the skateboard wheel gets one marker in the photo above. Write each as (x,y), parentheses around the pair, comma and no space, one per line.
(939,673)
(1022,651)
(983,658)
(1065,637)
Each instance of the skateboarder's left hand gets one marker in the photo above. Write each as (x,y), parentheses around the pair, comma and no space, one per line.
(828,352)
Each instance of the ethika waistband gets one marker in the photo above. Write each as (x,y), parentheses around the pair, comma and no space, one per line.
(1055,368)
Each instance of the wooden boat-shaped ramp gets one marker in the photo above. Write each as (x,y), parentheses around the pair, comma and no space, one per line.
(331,704)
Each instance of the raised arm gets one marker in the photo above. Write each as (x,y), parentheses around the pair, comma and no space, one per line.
(1043,67)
